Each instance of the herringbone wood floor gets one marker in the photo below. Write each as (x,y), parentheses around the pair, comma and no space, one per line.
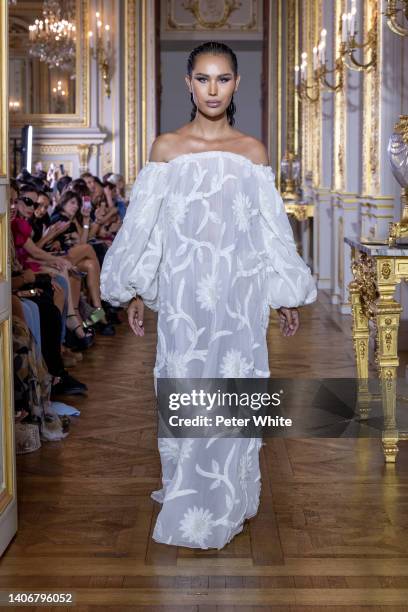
(331,532)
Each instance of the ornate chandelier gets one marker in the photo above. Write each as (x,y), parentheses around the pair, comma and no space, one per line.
(53,37)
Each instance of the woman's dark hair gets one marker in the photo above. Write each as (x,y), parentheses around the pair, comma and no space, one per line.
(98,180)
(108,184)
(14,185)
(28,188)
(66,196)
(80,187)
(216,48)
(45,194)
(37,223)
(62,183)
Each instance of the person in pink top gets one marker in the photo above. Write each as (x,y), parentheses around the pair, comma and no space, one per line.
(25,247)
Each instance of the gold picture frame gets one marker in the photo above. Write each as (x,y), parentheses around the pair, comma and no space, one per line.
(7,492)
(3,94)
(81,116)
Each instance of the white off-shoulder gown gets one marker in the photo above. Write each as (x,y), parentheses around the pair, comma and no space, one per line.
(207,243)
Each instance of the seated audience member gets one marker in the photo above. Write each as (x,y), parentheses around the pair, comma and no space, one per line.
(74,243)
(29,190)
(49,242)
(90,183)
(62,184)
(26,284)
(29,255)
(118,194)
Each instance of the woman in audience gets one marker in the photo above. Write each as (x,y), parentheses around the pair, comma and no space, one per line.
(50,328)
(90,183)
(119,194)
(45,236)
(73,241)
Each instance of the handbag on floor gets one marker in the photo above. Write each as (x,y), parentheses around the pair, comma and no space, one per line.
(27,436)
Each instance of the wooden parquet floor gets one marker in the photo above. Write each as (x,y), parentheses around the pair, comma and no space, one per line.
(331,532)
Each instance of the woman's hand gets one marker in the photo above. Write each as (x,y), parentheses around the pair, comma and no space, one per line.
(86,213)
(135,314)
(108,196)
(288,320)
(57,228)
(99,214)
(60,263)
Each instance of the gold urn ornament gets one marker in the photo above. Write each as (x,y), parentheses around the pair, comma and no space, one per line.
(398,156)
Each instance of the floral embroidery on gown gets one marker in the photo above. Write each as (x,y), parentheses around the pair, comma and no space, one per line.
(207,243)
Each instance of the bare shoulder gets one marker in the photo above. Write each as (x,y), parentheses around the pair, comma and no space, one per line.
(255,150)
(162,147)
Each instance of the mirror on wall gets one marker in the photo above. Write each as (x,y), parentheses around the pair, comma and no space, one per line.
(43,51)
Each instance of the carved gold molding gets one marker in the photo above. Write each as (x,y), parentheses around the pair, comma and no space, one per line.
(340,267)
(278,51)
(3,247)
(131,66)
(291,25)
(371,108)
(3,92)
(221,23)
(56,149)
(7,413)
(340,100)
(83,151)
(193,6)
(317,127)
(308,110)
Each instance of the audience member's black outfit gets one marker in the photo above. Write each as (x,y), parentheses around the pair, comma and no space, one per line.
(50,326)
(39,225)
(64,238)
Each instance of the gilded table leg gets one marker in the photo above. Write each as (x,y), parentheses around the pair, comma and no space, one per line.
(387,319)
(361,335)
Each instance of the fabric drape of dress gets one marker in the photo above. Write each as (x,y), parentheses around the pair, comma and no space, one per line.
(206,242)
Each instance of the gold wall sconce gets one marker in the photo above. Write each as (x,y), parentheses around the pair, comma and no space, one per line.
(349,44)
(14,105)
(320,73)
(393,10)
(320,69)
(100,44)
(301,83)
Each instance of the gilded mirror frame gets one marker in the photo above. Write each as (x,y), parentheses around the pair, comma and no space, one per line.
(81,117)
(3,93)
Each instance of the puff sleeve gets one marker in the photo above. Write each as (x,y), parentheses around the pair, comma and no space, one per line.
(288,278)
(131,264)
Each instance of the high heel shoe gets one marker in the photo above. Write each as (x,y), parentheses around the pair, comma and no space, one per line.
(97,316)
(76,327)
(77,342)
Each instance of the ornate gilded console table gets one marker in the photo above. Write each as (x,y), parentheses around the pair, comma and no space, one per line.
(377,269)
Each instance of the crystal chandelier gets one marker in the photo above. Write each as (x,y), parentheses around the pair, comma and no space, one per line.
(53,36)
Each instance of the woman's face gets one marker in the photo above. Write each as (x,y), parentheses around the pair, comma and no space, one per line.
(71,207)
(98,190)
(24,210)
(90,183)
(212,84)
(33,195)
(42,207)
